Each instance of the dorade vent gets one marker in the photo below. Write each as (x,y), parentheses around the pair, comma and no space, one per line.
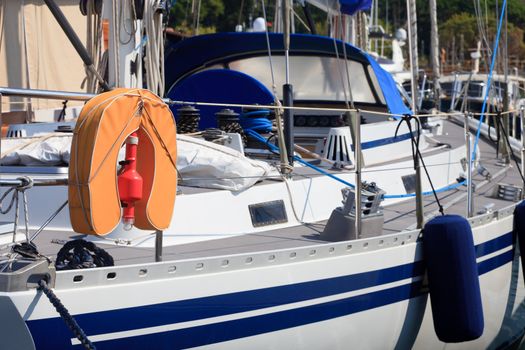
(338,146)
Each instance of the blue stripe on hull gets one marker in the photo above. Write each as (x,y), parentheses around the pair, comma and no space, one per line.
(383,142)
(235,329)
(494,245)
(52,333)
(220,305)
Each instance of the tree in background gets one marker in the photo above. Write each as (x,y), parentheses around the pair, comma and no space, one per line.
(458,23)
(183,15)
(459,36)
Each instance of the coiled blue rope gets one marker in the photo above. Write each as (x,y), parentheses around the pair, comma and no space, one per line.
(256,121)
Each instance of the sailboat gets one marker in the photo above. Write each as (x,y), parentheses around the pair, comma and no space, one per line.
(222,227)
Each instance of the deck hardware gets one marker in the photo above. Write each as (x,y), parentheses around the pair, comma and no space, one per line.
(341,224)
(487,208)
(508,192)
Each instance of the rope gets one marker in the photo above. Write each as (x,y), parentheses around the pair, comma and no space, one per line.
(154,55)
(506,137)
(28,250)
(128,12)
(268,47)
(188,124)
(416,153)
(66,316)
(26,184)
(299,108)
(162,143)
(80,254)
(233,127)
(256,120)
(275,149)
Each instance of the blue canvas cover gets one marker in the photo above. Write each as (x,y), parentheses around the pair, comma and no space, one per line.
(195,53)
(219,85)
(350,7)
(388,86)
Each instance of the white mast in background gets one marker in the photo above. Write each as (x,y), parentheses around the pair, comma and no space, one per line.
(434,50)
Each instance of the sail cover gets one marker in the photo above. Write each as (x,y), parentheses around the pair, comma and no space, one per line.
(348,7)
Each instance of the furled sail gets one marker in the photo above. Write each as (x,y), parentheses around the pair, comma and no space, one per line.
(348,7)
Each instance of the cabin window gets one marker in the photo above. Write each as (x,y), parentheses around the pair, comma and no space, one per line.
(377,88)
(312,77)
(447,88)
(475,89)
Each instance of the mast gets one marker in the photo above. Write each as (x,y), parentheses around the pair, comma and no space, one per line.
(434,50)
(75,41)
(412,42)
(505,151)
(122,44)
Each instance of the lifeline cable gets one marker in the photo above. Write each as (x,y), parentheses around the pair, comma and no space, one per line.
(275,149)
(506,137)
(416,153)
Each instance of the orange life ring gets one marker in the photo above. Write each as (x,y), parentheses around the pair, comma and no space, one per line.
(102,127)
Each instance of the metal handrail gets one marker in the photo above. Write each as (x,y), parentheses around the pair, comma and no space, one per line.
(53,95)
(49,94)
(34,182)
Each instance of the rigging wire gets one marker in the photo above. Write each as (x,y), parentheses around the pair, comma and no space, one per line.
(506,137)
(94,46)
(128,12)
(478,11)
(346,183)
(416,153)
(489,80)
(154,55)
(268,47)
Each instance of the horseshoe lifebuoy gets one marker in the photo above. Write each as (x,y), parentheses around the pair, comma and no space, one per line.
(104,124)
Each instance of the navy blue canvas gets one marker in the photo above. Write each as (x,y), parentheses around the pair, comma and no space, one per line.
(350,7)
(223,86)
(196,53)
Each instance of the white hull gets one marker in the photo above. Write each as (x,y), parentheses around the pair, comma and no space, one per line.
(358,294)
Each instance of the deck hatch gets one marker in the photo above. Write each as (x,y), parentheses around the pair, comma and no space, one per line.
(268,213)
